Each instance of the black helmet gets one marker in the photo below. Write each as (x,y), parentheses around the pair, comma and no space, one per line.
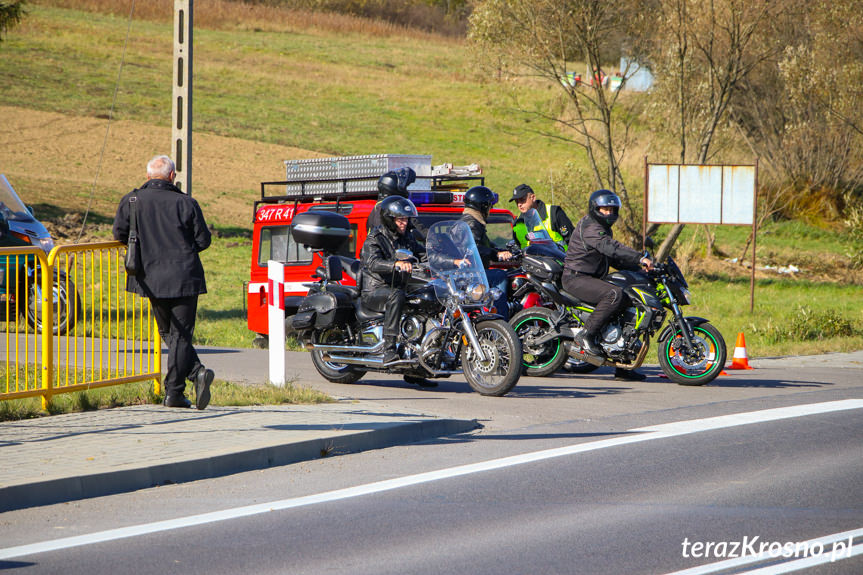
(603,199)
(396,207)
(388,185)
(481,199)
(406,177)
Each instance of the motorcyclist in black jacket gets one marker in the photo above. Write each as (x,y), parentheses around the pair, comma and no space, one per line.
(395,183)
(384,276)
(592,249)
(477,204)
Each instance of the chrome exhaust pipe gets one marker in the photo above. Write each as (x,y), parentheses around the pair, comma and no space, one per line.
(377,348)
(352,360)
(581,355)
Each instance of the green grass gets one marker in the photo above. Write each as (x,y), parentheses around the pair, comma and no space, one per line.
(345,93)
(141,393)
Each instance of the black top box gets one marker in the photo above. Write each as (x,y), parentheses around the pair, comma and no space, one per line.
(321,230)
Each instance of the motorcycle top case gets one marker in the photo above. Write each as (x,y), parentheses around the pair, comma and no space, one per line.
(543,268)
(321,230)
(326,309)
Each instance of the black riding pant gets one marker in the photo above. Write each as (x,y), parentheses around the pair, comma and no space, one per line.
(391,301)
(606,298)
(175,318)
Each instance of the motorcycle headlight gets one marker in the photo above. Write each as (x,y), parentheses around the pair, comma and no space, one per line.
(476,292)
(47,244)
(686,296)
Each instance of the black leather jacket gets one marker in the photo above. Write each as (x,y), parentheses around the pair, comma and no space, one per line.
(487,250)
(379,257)
(592,249)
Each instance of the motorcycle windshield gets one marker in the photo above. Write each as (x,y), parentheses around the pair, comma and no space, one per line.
(11,205)
(536,232)
(454,262)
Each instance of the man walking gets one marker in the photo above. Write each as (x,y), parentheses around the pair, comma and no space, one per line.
(171,232)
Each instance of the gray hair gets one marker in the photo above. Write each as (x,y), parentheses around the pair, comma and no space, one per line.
(160,167)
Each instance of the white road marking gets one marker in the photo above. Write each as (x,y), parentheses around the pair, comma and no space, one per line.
(785,564)
(639,435)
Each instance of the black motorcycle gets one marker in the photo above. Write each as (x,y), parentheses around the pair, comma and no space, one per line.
(446,327)
(691,350)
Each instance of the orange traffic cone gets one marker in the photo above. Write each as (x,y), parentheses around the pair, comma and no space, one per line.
(740,361)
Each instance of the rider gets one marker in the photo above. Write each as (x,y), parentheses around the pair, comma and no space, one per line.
(592,248)
(395,183)
(383,274)
(477,203)
(554,219)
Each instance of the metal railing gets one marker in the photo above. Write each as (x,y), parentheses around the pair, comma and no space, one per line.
(97,333)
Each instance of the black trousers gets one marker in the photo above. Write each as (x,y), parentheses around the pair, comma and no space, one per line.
(391,301)
(606,298)
(175,318)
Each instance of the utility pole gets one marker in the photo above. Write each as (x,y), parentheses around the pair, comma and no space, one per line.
(181,127)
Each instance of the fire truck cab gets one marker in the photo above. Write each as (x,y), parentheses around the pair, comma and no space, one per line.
(347,186)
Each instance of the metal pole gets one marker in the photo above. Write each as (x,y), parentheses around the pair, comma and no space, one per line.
(181,127)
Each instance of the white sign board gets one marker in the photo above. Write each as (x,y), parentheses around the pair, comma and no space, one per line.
(700,194)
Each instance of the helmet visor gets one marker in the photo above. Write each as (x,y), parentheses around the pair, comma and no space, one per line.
(608,201)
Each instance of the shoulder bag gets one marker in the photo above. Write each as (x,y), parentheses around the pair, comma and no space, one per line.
(133,258)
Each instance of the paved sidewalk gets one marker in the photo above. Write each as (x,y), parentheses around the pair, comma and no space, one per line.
(79,455)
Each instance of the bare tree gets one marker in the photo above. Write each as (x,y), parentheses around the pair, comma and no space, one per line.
(703,53)
(11,12)
(526,40)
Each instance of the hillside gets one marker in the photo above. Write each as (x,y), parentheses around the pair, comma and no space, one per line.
(268,91)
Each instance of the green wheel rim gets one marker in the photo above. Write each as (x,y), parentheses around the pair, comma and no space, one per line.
(557,342)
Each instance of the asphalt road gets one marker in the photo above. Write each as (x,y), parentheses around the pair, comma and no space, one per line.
(568,475)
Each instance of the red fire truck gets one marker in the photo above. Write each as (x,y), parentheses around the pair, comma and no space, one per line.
(437,194)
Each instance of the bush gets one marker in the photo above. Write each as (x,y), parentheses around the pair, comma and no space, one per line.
(808,325)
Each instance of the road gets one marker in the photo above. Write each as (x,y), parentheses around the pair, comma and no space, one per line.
(568,475)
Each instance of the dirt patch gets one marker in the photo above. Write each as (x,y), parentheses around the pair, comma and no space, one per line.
(56,162)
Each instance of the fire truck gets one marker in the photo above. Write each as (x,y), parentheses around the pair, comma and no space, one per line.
(346,185)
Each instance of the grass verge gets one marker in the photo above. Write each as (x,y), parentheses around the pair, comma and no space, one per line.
(141,393)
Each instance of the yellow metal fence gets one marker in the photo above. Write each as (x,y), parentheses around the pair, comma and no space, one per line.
(68,324)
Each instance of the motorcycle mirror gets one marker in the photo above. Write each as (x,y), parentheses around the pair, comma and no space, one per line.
(404,255)
(4,225)
(649,243)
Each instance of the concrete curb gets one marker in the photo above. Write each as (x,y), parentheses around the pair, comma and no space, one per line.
(111,482)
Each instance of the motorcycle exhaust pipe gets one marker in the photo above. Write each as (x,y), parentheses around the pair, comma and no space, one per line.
(352,360)
(377,348)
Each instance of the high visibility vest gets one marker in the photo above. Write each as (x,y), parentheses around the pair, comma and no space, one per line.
(520,229)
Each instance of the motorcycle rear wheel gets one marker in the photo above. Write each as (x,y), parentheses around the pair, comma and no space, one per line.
(693,369)
(334,372)
(543,359)
(500,372)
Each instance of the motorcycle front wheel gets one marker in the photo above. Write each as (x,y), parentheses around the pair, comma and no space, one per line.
(697,366)
(499,373)
(67,304)
(538,360)
(334,372)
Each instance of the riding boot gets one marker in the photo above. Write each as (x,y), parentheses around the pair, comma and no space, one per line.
(390,352)
(587,342)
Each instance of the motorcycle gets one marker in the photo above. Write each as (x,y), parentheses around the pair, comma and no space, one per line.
(445,328)
(691,350)
(20,275)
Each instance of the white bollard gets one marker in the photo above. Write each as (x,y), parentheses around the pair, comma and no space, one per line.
(276,320)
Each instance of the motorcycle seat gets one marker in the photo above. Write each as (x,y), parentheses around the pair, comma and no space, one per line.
(574,300)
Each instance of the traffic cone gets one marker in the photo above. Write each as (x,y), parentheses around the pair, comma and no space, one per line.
(741,360)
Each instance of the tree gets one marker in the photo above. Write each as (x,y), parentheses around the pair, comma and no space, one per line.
(703,54)
(525,40)
(11,12)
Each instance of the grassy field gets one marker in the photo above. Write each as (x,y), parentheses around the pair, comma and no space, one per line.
(269,91)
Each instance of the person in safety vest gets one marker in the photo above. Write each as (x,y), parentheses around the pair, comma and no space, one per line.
(554,219)
(395,183)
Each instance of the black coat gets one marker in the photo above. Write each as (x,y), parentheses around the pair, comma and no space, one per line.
(592,249)
(171,232)
(379,257)
(487,250)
